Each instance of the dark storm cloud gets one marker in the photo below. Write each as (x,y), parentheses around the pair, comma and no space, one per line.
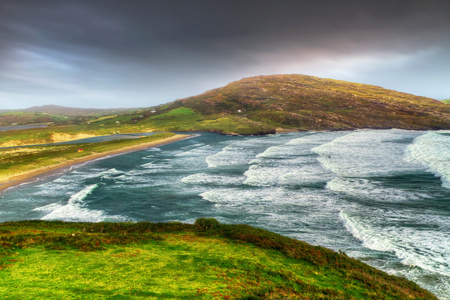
(141,53)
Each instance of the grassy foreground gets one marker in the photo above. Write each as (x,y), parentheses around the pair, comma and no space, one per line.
(208,260)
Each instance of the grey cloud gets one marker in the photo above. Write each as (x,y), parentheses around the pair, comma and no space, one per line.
(161,50)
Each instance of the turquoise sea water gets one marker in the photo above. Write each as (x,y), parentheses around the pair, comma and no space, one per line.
(382,196)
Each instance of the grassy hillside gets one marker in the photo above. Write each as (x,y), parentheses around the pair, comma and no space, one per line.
(306,102)
(260,105)
(446,101)
(207,260)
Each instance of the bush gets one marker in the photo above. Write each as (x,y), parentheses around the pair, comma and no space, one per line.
(204,224)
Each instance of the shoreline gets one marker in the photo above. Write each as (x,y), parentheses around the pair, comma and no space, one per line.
(34,175)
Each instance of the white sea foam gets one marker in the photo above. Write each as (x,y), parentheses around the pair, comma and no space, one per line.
(263,198)
(199,151)
(74,210)
(62,179)
(305,175)
(240,152)
(110,173)
(315,139)
(204,178)
(277,152)
(291,163)
(433,151)
(412,247)
(367,153)
(78,176)
(189,159)
(157,167)
(297,146)
(236,196)
(262,176)
(228,156)
(367,189)
(49,208)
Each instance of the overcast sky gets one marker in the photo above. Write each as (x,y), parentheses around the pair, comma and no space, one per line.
(106,53)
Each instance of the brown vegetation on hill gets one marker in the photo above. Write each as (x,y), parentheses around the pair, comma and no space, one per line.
(312,103)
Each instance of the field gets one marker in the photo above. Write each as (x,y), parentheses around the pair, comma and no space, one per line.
(178,119)
(14,161)
(208,260)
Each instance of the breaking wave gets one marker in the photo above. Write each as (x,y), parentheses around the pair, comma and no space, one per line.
(432,150)
(74,210)
(412,247)
(367,153)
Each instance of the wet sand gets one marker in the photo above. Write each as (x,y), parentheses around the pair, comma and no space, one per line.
(34,175)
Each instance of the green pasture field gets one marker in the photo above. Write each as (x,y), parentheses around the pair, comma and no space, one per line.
(206,260)
(178,119)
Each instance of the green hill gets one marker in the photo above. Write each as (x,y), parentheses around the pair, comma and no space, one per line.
(446,101)
(207,260)
(312,103)
(266,104)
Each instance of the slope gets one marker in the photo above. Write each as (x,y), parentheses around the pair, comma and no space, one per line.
(206,260)
(312,103)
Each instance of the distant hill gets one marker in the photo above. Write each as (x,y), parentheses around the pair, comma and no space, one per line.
(52,113)
(71,111)
(312,103)
(446,101)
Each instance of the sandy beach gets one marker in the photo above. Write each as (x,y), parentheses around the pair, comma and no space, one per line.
(34,175)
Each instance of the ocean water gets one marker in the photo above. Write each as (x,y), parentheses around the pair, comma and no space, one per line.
(382,196)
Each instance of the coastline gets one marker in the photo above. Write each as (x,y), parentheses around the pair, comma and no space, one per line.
(36,174)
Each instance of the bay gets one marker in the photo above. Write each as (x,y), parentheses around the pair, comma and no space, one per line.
(382,196)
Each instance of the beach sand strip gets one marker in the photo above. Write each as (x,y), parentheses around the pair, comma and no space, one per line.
(34,175)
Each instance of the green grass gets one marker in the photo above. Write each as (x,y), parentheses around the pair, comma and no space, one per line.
(186,119)
(18,160)
(180,111)
(102,118)
(446,101)
(207,260)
